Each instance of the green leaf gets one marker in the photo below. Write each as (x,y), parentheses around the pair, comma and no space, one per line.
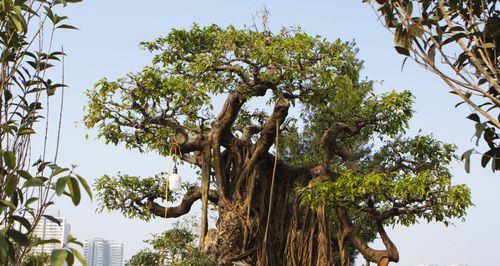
(18,22)
(85,185)
(23,221)
(35,182)
(495,164)
(66,26)
(58,257)
(31,201)
(58,170)
(474,117)
(79,256)
(479,131)
(24,174)
(49,241)
(466,157)
(74,190)
(454,38)
(402,50)
(70,259)
(25,131)
(18,237)
(11,184)
(4,246)
(61,185)
(52,219)
(10,159)
(8,204)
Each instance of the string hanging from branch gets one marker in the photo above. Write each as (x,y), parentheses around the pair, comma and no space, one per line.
(172,181)
(271,193)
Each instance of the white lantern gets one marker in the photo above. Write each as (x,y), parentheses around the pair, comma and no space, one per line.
(174,181)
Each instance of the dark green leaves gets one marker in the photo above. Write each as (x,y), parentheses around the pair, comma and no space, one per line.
(18,237)
(74,190)
(66,26)
(11,184)
(52,219)
(9,159)
(474,117)
(402,50)
(23,221)
(5,249)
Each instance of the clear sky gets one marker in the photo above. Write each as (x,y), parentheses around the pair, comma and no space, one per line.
(107,46)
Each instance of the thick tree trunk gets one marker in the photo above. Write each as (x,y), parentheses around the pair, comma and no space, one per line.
(297,235)
(229,234)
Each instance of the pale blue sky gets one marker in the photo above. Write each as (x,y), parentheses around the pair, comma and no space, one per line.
(107,46)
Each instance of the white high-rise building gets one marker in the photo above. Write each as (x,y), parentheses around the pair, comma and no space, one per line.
(101,252)
(115,254)
(46,229)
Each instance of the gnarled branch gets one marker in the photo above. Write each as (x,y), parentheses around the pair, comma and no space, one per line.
(192,195)
(264,142)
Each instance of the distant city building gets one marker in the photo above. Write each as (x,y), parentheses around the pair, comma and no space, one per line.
(115,254)
(102,252)
(46,229)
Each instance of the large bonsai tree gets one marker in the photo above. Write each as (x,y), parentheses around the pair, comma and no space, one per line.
(299,206)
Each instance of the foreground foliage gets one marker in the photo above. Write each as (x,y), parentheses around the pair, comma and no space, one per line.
(458,41)
(27,186)
(328,186)
(36,259)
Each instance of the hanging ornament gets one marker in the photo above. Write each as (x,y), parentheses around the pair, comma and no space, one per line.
(174,181)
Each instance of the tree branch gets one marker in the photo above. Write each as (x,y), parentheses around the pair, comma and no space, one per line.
(369,253)
(265,141)
(193,194)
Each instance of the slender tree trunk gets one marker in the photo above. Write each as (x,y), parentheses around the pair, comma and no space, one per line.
(205,187)
(343,251)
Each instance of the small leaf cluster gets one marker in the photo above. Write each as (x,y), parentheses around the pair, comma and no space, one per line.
(417,184)
(172,247)
(127,193)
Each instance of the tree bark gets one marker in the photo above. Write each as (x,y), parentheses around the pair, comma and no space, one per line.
(205,187)
(343,249)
